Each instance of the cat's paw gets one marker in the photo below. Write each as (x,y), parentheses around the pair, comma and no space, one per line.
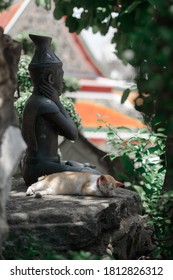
(29,191)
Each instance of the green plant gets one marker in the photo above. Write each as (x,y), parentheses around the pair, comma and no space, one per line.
(25,89)
(24,246)
(5,4)
(161,214)
(70,108)
(23,77)
(141,155)
(70,84)
(26,43)
(20,103)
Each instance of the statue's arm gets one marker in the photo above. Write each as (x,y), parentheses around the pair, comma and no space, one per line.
(63,123)
(62,110)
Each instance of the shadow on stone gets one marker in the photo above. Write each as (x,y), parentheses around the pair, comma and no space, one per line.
(94,224)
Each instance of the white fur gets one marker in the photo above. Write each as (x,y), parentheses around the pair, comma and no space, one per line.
(74,183)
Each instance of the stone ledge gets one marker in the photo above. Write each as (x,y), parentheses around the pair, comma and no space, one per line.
(78,222)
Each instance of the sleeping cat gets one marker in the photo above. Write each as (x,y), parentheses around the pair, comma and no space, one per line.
(76,183)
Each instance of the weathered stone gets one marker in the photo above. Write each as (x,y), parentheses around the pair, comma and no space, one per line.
(94,224)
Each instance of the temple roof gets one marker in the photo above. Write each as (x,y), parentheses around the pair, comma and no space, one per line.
(7,15)
(110,115)
(25,16)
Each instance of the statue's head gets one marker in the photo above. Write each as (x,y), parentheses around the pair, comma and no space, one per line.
(45,67)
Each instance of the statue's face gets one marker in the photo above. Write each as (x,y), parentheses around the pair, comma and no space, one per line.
(59,81)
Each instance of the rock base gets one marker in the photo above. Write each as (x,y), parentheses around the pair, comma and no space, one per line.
(98,225)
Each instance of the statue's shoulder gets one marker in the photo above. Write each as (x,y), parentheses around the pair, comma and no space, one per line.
(44,105)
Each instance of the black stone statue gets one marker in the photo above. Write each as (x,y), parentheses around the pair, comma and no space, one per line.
(44,117)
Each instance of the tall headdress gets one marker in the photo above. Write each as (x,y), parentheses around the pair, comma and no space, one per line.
(44,55)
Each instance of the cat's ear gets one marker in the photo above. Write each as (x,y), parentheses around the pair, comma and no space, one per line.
(102,178)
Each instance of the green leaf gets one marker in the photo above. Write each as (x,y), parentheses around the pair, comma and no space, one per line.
(128,164)
(125,95)
(153,2)
(162,169)
(110,133)
(95,29)
(161,135)
(153,139)
(152,150)
(104,28)
(98,128)
(132,6)
(45,3)
(58,14)
(142,130)
(72,23)
(112,156)
(161,129)
(123,128)
(156,4)
(139,190)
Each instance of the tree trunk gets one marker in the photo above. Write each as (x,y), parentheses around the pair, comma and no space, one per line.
(11,141)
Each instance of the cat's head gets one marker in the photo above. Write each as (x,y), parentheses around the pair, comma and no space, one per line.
(107,185)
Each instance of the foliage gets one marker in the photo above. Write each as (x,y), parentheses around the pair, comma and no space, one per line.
(70,84)
(70,108)
(26,43)
(141,156)
(4,4)
(45,3)
(25,89)
(161,214)
(20,103)
(24,85)
(25,246)
(144,40)
(96,14)
(23,77)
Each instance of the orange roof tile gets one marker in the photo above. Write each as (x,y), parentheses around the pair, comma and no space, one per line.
(88,112)
(8,14)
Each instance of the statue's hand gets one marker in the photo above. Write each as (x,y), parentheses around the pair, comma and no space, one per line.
(49,91)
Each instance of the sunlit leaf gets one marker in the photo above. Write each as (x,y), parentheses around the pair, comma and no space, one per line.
(125,95)
(132,6)
(124,128)
(142,130)
(153,139)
